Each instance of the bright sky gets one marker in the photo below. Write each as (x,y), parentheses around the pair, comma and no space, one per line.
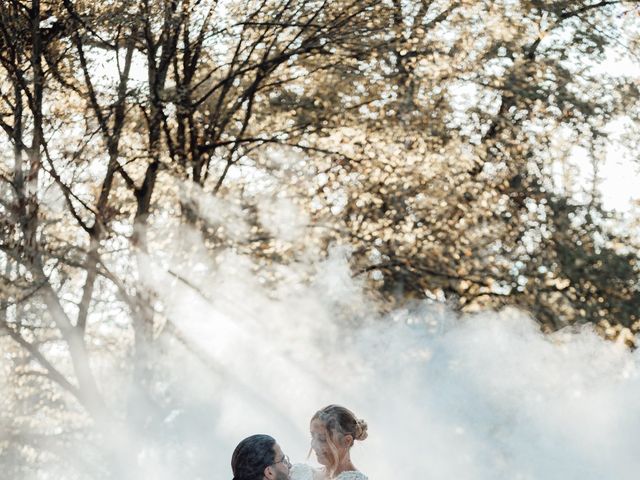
(621,177)
(621,171)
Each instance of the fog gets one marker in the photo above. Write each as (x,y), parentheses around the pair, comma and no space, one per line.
(484,396)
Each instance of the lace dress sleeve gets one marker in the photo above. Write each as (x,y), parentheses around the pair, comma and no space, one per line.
(352,475)
(300,471)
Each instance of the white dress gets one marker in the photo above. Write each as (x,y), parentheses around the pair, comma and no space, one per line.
(352,475)
(301,471)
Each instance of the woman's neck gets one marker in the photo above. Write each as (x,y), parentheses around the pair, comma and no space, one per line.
(344,466)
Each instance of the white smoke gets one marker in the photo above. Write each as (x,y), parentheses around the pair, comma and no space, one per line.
(482,397)
(474,397)
(282,218)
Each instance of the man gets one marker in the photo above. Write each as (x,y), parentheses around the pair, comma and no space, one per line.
(259,457)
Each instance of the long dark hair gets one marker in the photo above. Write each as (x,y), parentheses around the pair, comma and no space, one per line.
(252,456)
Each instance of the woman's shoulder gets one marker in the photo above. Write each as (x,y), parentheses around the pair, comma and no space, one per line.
(352,475)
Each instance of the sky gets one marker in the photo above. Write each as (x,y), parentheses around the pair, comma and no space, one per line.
(621,170)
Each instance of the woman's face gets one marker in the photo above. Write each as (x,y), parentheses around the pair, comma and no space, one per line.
(321,444)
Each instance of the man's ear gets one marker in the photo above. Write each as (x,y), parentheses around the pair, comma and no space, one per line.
(347,440)
(268,473)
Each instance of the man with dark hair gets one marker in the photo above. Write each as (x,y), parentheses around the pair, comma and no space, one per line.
(259,457)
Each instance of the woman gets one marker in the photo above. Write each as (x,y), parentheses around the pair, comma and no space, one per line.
(333,432)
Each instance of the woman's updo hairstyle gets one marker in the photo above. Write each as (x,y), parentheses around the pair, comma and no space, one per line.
(343,421)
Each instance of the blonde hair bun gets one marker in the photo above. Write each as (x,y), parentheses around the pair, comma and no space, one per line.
(361,429)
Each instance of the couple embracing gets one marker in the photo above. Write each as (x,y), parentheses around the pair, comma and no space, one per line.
(333,432)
